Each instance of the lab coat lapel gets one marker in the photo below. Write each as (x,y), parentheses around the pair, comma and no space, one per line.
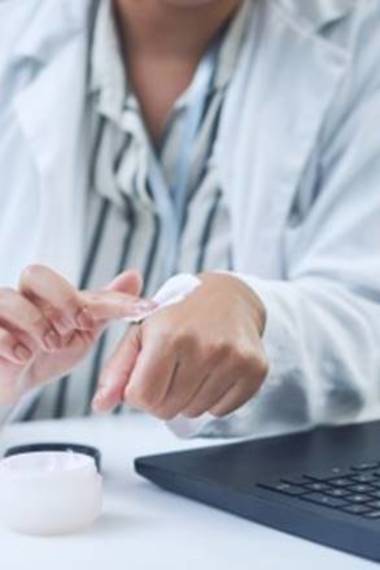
(285,84)
(317,13)
(51,113)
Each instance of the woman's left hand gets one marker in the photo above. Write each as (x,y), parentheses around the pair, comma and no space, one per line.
(54,325)
(204,354)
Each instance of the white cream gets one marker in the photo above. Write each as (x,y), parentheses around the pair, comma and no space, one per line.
(49,493)
(173,291)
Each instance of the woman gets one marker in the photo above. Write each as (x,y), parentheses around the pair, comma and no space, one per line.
(227,138)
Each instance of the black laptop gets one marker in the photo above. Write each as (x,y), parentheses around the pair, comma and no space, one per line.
(323,485)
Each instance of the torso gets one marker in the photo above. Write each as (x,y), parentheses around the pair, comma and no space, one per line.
(125,225)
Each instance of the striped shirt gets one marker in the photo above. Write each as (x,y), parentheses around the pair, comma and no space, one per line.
(125,224)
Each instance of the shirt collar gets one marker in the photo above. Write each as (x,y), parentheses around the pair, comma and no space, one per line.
(231,43)
(108,82)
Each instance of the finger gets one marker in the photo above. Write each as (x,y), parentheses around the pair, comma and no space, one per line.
(11,380)
(169,405)
(56,298)
(211,391)
(150,380)
(129,281)
(12,349)
(120,298)
(234,399)
(116,374)
(186,382)
(109,305)
(21,318)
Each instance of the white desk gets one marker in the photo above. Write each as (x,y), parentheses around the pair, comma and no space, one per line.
(146,528)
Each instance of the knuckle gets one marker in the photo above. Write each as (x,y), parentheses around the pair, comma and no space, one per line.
(68,304)
(53,314)
(163,335)
(243,361)
(140,398)
(39,324)
(261,366)
(218,413)
(215,352)
(64,315)
(164,414)
(73,302)
(224,350)
(186,340)
(192,413)
(32,272)
(249,362)
(6,339)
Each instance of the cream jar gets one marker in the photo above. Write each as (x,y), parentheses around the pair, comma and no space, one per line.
(49,493)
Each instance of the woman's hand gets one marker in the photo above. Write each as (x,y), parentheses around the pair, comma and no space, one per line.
(47,326)
(202,355)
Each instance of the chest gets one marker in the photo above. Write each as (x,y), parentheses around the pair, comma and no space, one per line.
(138,197)
(158,84)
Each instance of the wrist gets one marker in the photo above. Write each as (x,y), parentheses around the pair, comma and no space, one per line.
(248,293)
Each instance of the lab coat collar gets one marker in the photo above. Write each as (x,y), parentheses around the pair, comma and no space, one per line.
(316,14)
(285,140)
(51,116)
(50,27)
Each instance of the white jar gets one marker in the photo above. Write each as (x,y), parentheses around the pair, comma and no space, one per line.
(48,493)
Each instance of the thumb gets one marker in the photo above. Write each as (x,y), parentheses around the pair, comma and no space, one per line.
(130,282)
(115,376)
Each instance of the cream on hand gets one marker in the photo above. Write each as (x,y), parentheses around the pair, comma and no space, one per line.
(173,291)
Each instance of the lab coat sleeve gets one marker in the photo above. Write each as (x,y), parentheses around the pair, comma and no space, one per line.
(322,336)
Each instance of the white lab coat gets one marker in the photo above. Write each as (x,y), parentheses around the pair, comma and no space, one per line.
(299,160)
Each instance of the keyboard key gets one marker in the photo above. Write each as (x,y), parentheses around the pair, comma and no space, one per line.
(340,482)
(365,477)
(361,488)
(373,515)
(317,486)
(286,488)
(337,492)
(375,505)
(296,479)
(357,509)
(359,499)
(365,466)
(376,484)
(375,494)
(324,500)
(334,472)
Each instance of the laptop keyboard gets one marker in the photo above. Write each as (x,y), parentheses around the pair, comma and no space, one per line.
(355,490)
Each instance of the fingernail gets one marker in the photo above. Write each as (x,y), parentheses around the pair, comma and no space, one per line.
(137,313)
(99,400)
(22,353)
(52,340)
(142,306)
(84,319)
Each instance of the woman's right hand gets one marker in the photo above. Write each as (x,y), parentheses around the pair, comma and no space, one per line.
(47,326)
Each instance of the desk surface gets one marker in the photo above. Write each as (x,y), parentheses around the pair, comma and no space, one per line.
(145,528)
